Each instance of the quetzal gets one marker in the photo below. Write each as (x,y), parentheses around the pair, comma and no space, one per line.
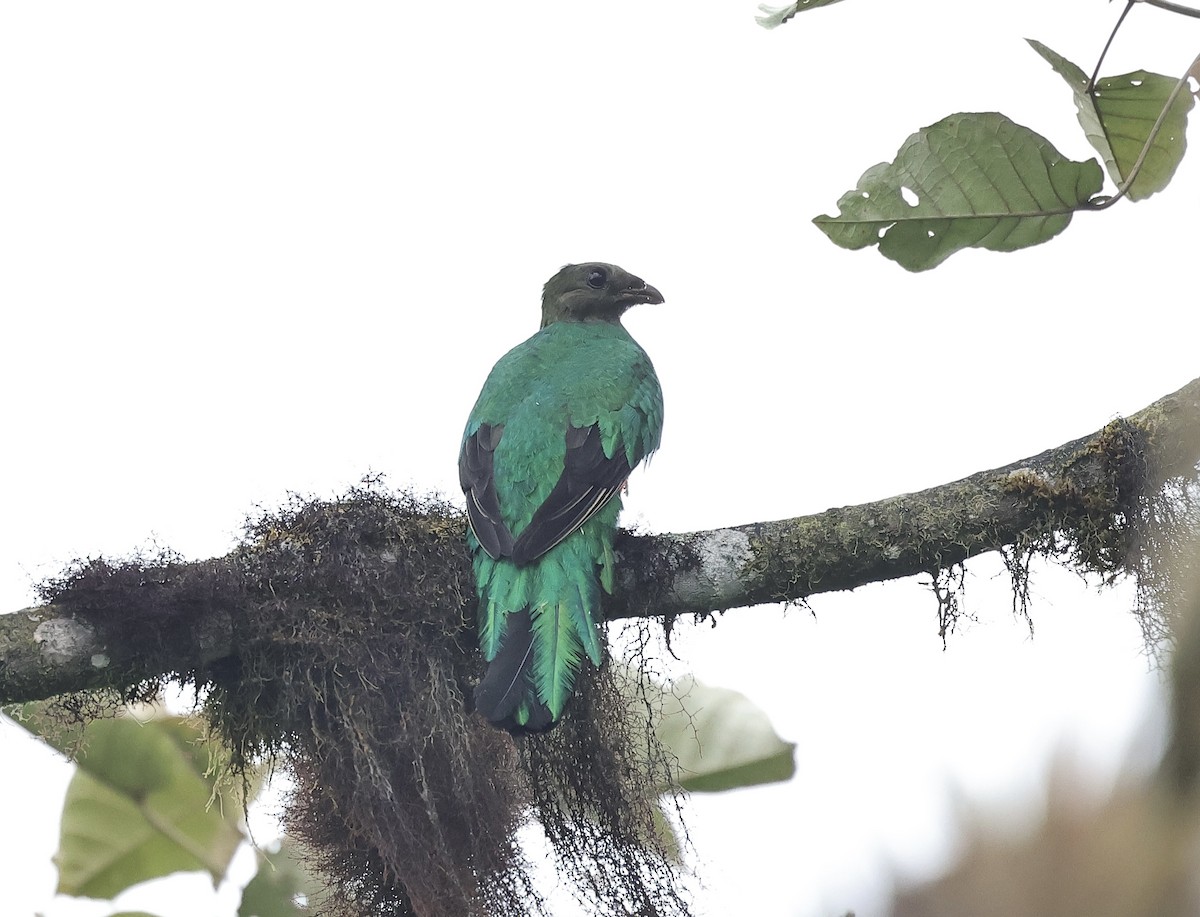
(562,420)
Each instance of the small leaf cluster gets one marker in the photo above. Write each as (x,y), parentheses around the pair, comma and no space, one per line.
(980,180)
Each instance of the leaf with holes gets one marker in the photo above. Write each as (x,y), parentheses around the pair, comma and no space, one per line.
(969,181)
(1119,117)
(139,807)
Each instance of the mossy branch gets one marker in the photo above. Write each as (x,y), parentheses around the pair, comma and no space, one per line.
(118,625)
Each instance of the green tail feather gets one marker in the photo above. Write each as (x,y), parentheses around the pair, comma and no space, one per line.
(560,594)
(563,633)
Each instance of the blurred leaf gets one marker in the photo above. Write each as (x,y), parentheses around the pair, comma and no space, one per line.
(665,831)
(1119,117)
(139,807)
(722,740)
(775,16)
(693,721)
(273,890)
(971,180)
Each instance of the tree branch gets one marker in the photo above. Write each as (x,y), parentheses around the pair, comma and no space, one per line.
(1078,485)
(1082,497)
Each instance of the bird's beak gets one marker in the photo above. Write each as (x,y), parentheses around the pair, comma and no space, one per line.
(638,291)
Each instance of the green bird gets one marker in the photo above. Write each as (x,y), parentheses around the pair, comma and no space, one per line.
(562,420)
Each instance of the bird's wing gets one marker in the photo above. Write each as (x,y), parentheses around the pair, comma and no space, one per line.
(589,480)
(479,484)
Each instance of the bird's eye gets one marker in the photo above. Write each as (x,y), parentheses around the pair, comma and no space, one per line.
(596,279)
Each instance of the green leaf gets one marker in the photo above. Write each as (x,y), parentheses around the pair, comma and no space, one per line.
(1118,119)
(722,740)
(972,180)
(273,890)
(1089,118)
(139,807)
(775,16)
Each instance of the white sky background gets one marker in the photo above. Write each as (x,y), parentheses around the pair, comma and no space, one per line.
(253,248)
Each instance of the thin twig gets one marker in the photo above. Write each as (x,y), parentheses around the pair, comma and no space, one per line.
(1111,35)
(1173,7)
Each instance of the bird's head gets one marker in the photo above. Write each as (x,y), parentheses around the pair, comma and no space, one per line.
(593,292)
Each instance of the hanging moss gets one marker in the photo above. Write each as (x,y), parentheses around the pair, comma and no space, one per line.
(354,659)
(1113,514)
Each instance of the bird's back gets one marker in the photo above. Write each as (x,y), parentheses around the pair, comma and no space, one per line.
(576,373)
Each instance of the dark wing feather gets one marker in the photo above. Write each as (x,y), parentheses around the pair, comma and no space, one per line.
(508,681)
(479,484)
(589,480)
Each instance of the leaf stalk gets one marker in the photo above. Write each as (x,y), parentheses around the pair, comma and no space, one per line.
(1108,44)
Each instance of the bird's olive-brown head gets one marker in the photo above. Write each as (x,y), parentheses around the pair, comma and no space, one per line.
(593,292)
